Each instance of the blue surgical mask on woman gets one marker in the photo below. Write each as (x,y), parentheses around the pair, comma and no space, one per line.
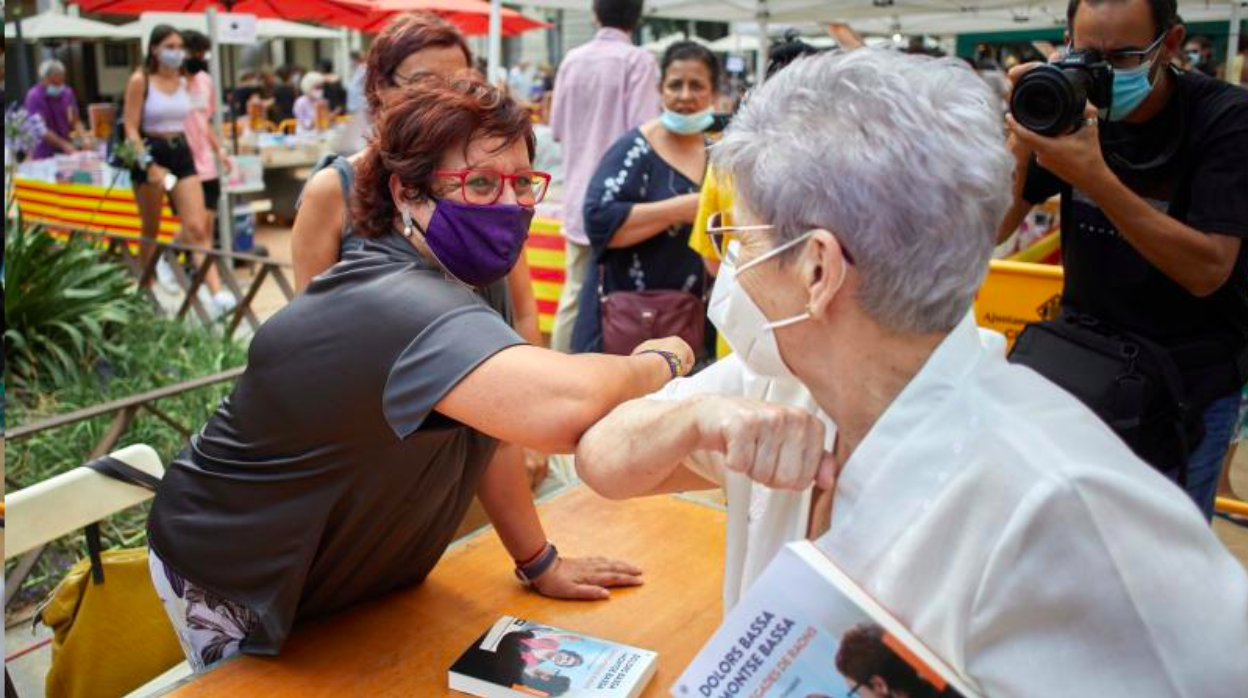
(171,58)
(1131,88)
(53,90)
(686,124)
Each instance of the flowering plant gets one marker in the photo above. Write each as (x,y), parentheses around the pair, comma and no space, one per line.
(23,131)
(131,156)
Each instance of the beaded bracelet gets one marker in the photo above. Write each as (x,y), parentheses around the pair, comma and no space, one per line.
(673,361)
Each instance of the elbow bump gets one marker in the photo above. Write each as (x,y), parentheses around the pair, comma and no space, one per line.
(593,472)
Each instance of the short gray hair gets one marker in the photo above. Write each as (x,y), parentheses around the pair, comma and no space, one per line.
(51,67)
(902,157)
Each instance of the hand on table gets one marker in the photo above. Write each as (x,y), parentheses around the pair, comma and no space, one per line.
(777,446)
(586,578)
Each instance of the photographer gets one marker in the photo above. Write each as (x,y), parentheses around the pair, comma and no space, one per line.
(1154,212)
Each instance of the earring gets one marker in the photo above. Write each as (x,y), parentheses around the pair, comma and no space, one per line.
(408,229)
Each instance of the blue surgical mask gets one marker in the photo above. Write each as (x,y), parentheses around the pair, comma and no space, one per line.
(1131,88)
(171,57)
(53,90)
(686,124)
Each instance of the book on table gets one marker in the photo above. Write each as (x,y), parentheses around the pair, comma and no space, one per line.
(806,630)
(517,658)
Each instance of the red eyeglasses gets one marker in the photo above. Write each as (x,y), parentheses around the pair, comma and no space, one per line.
(485,187)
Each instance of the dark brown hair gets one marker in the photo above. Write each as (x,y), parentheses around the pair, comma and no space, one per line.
(416,127)
(160,32)
(863,655)
(404,35)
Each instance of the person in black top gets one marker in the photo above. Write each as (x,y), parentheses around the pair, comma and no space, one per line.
(335,92)
(284,95)
(1154,213)
(343,461)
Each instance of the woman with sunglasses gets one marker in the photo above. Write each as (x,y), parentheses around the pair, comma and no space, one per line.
(343,462)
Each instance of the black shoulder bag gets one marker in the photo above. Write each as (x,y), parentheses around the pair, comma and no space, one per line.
(1129,381)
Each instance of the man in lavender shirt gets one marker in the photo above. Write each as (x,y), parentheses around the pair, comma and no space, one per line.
(53,100)
(604,88)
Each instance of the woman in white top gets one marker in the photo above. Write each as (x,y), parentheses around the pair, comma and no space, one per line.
(156,108)
(987,509)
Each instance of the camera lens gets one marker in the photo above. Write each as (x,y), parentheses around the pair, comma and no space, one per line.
(1050,100)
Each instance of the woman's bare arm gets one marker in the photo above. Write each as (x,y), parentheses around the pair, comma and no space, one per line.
(649,219)
(524,316)
(545,400)
(317,234)
(132,109)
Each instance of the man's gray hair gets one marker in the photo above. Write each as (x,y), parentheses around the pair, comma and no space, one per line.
(902,157)
(51,67)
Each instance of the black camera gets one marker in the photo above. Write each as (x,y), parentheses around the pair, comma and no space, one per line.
(1049,99)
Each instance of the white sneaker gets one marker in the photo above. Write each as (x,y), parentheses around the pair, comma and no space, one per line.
(165,276)
(224,300)
(206,300)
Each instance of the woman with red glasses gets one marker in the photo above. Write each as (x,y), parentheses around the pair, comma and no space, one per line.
(344,460)
(412,44)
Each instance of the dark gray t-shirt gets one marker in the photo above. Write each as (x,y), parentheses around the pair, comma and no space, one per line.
(326,477)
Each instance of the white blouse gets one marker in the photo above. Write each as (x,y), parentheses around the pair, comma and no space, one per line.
(1013,532)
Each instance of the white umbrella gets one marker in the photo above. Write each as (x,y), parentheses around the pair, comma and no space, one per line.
(734,42)
(265,28)
(661,45)
(54,25)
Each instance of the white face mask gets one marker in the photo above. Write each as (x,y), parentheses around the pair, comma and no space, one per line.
(743,324)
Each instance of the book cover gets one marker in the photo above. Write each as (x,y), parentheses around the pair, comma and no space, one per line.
(805,630)
(518,659)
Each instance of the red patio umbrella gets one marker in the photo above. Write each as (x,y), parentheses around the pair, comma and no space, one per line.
(471,16)
(331,12)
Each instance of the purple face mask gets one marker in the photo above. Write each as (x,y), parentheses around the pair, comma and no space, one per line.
(476,244)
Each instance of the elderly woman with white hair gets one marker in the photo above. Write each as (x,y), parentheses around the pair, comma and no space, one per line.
(990,511)
(55,103)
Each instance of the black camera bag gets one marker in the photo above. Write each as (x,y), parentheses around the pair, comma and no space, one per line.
(1129,381)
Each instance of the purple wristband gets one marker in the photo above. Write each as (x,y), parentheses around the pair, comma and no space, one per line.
(529,573)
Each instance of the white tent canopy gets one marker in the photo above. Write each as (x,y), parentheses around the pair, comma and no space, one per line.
(1019,17)
(660,45)
(54,25)
(741,43)
(940,17)
(265,28)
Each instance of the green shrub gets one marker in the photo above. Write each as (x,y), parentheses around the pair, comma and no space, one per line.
(157,353)
(62,304)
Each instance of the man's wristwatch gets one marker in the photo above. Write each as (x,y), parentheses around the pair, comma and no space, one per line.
(541,564)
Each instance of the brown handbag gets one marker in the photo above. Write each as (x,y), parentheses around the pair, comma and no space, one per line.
(632,317)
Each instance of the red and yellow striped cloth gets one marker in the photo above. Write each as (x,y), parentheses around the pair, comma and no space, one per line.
(1013,294)
(115,212)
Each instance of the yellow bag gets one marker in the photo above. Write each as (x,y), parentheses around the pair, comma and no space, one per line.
(110,637)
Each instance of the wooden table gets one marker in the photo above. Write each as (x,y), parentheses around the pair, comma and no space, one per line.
(403,643)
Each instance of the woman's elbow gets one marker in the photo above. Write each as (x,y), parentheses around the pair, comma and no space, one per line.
(567,423)
(595,465)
